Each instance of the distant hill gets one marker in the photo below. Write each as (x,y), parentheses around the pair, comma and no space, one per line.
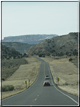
(30,39)
(60,45)
(20,47)
(9,52)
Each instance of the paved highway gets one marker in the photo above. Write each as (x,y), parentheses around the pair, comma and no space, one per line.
(37,94)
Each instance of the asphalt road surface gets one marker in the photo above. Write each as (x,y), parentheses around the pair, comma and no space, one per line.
(37,94)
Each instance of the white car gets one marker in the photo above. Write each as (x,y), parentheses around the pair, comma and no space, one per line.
(46,77)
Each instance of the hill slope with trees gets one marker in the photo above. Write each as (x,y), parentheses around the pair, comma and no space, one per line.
(9,52)
(57,46)
(20,47)
(11,60)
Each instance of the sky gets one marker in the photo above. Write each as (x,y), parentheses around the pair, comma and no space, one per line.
(22,18)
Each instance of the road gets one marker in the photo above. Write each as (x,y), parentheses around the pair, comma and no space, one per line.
(37,94)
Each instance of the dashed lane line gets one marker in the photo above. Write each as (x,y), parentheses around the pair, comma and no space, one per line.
(35,98)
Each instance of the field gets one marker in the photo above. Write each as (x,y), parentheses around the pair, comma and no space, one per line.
(26,72)
(66,71)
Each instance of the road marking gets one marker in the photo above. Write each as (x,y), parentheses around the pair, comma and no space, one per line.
(35,98)
(61,91)
(66,95)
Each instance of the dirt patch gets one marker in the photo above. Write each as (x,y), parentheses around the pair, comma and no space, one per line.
(27,72)
(67,73)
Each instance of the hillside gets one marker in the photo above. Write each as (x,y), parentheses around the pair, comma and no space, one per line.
(30,39)
(60,45)
(11,60)
(9,52)
(20,47)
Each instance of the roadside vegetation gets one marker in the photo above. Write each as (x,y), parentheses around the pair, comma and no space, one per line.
(11,61)
(26,72)
(66,69)
(57,46)
(7,88)
(9,66)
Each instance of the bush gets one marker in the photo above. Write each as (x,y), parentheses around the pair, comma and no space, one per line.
(60,54)
(40,55)
(48,54)
(70,59)
(7,88)
(3,79)
(65,83)
(67,53)
(75,52)
(43,55)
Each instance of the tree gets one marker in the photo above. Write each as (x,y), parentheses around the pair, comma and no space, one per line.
(48,54)
(40,55)
(70,59)
(60,54)
(75,52)
(67,53)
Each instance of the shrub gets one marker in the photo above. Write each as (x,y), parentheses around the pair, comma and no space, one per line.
(27,56)
(65,83)
(7,88)
(70,59)
(8,66)
(40,55)
(67,53)
(43,55)
(75,52)
(3,79)
(48,54)
(60,54)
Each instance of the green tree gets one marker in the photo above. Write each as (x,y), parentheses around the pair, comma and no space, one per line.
(70,59)
(75,52)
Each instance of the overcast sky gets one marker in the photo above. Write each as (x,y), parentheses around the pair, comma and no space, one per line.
(21,18)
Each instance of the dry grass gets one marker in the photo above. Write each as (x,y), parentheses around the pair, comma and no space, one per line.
(10,66)
(27,72)
(67,73)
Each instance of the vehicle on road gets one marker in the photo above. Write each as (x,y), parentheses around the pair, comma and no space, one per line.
(46,77)
(46,83)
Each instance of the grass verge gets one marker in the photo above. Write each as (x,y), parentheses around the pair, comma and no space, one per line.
(27,72)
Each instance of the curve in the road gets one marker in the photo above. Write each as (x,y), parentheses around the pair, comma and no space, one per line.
(37,94)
